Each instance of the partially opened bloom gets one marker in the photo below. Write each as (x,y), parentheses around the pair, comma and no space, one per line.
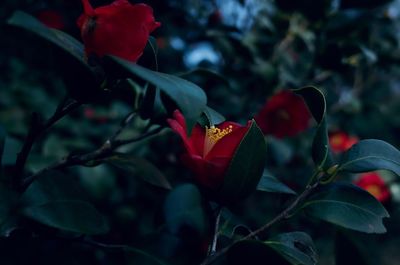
(119,29)
(51,18)
(209,151)
(374,184)
(284,114)
(340,141)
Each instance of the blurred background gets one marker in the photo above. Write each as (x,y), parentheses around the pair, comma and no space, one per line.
(240,53)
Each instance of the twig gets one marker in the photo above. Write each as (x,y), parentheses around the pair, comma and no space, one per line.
(285,214)
(213,248)
(108,147)
(36,129)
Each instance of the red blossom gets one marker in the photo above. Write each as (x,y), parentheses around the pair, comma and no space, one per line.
(284,114)
(120,29)
(340,141)
(374,184)
(51,18)
(209,150)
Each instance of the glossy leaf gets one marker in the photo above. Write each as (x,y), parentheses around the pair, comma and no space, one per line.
(82,82)
(74,216)
(213,116)
(296,247)
(8,202)
(269,183)
(183,208)
(317,104)
(347,206)
(2,142)
(136,256)
(190,98)
(255,253)
(246,167)
(347,252)
(56,37)
(56,200)
(136,166)
(370,155)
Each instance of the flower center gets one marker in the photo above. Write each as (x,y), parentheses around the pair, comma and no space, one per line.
(213,135)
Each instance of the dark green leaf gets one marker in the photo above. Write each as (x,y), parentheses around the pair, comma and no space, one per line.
(56,200)
(190,98)
(269,183)
(2,142)
(51,186)
(82,81)
(347,252)
(296,247)
(8,202)
(246,167)
(136,166)
(348,206)
(74,216)
(370,155)
(183,208)
(136,256)
(59,38)
(210,117)
(317,104)
(11,148)
(254,253)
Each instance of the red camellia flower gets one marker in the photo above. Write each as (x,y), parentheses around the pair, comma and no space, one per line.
(51,18)
(120,29)
(284,114)
(341,141)
(374,184)
(209,151)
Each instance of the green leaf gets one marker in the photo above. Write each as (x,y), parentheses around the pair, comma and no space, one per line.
(183,208)
(316,102)
(136,256)
(2,142)
(136,166)
(8,202)
(348,252)
(190,98)
(211,117)
(296,247)
(254,253)
(269,183)
(246,167)
(370,155)
(58,38)
(348,206)
(82,82)
(74,216)
(56,200)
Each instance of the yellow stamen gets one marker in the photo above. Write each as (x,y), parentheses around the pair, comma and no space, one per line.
(213,135)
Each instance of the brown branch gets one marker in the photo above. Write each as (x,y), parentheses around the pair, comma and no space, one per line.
(285,214)
(37,129)
(106,149)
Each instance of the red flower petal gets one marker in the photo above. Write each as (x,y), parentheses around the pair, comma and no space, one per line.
(284,114)
(208,173)
(120,29)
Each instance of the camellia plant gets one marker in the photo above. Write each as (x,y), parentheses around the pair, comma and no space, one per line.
(205,166)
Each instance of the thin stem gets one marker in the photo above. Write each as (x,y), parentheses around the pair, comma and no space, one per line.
(213,248)
(110,145)
(118,143)
(285,214)
(36,129)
